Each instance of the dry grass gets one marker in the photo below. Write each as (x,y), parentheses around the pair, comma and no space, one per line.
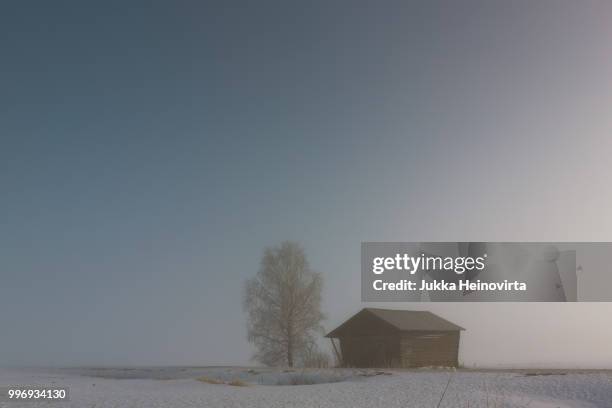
(235,382)
(209,380)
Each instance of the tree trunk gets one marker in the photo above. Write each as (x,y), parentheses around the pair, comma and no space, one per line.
(290,354)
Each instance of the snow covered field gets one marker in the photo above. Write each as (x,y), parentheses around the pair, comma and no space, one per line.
(179,387)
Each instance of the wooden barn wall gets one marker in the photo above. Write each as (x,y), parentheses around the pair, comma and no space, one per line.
(422,349)
(371,351)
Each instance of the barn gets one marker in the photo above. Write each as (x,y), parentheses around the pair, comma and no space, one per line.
(396,338)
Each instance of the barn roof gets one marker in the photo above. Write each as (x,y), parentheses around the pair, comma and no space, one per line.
(403,320)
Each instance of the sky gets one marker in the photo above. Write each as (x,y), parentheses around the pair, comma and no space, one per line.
(150,151)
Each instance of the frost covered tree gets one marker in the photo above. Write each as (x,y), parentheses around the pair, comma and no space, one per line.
(283,303)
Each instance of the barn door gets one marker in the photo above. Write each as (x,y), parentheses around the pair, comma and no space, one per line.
(380,354)
(407,355)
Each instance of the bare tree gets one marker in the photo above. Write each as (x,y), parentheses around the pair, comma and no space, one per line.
(283,304)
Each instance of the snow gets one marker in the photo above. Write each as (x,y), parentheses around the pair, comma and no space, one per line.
(178,387)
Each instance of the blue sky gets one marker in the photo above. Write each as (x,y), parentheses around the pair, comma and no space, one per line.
(151,150)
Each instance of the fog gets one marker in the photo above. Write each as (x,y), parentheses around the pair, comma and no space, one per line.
(148,158)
